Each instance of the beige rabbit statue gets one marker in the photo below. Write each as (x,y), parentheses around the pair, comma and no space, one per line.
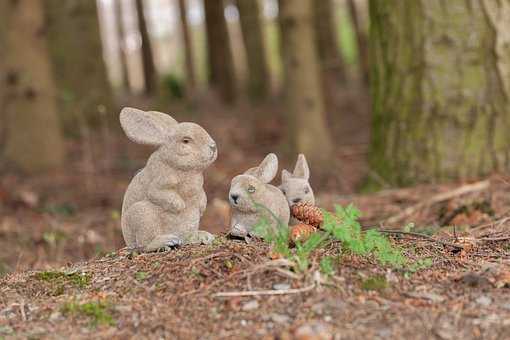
(165,200)
(296,187)
(253,198)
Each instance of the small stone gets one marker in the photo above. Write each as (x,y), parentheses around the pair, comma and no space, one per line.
(484,301)
(55,316)
(280,318)
(427,296)
(313,331)
(250,305)
(281,286)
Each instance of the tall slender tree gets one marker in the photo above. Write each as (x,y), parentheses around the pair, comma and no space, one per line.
(259,79)
(83,89)
(304,98)
(327,40)
(121,38)
(441,89)
(188,48)
(219,52)
(149,69)
(33,141)
(361,39)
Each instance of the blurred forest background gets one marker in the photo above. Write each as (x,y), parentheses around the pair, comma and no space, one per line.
(376,93)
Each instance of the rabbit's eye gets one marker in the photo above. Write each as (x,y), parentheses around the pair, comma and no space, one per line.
(251,189)
(186,140)
(283,191)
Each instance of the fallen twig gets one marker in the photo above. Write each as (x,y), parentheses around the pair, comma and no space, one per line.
(488,239)
(423,236)
(444,196)
(266,292)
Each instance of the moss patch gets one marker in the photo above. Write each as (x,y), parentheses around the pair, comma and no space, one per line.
(99,312)
(80,280)
(376,283)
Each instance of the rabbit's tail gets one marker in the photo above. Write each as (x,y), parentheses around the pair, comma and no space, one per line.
(163,241)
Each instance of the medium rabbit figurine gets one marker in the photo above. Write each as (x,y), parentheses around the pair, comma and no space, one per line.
(295,185)
(165,200)
(251,189)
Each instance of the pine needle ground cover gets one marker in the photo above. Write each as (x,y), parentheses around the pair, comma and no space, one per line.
(360,287)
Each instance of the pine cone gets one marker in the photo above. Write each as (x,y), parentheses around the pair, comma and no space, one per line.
(307,213)
(301,232)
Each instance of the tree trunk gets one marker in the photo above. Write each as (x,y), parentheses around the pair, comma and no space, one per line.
(188,49)
(220,59)
(33,141)
(149,69)
(327,41)
(77,57)
(259,82)
(441,89)
(362,41)
(304,100)
(121,38)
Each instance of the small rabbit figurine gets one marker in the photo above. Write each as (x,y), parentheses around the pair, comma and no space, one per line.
(251,189)
(295,185)
(165,200)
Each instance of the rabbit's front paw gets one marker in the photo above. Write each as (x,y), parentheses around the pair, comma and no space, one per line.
(164,243)
(177,205)
(198,237)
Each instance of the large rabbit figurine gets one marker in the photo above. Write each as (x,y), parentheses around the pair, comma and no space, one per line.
(295,185)
(251,198)
(165,200)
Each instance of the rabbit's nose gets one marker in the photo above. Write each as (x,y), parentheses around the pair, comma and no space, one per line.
(296,200)
(213,147)
(234,198)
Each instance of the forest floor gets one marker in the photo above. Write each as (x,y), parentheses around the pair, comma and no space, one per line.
(64,271)
(463,292)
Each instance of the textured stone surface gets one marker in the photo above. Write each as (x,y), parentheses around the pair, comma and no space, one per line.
(296,187)
(164,202)
(252,198)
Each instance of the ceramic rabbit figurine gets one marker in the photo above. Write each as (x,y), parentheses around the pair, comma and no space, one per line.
(251,189)
(165,200)
(295,186)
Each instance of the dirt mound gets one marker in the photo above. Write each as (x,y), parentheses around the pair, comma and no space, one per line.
(234,290)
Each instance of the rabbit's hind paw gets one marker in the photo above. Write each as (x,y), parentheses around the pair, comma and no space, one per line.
(164,243)
(198,237)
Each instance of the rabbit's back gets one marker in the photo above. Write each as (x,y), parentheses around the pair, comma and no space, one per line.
(278,203)
(137,189)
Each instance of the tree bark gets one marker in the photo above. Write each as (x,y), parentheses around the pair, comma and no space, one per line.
(149,69)
(259,80)
(440,88)
(362,41)
(304,100)
(327,40)
(121,38)
(33,141)
(83,88)
(220,59)
(188,49)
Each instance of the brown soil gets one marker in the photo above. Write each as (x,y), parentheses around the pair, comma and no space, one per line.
(172,295)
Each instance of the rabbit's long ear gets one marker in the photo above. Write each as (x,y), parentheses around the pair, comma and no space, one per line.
(146,127)
(285,175)
(301,170)
(267,169)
